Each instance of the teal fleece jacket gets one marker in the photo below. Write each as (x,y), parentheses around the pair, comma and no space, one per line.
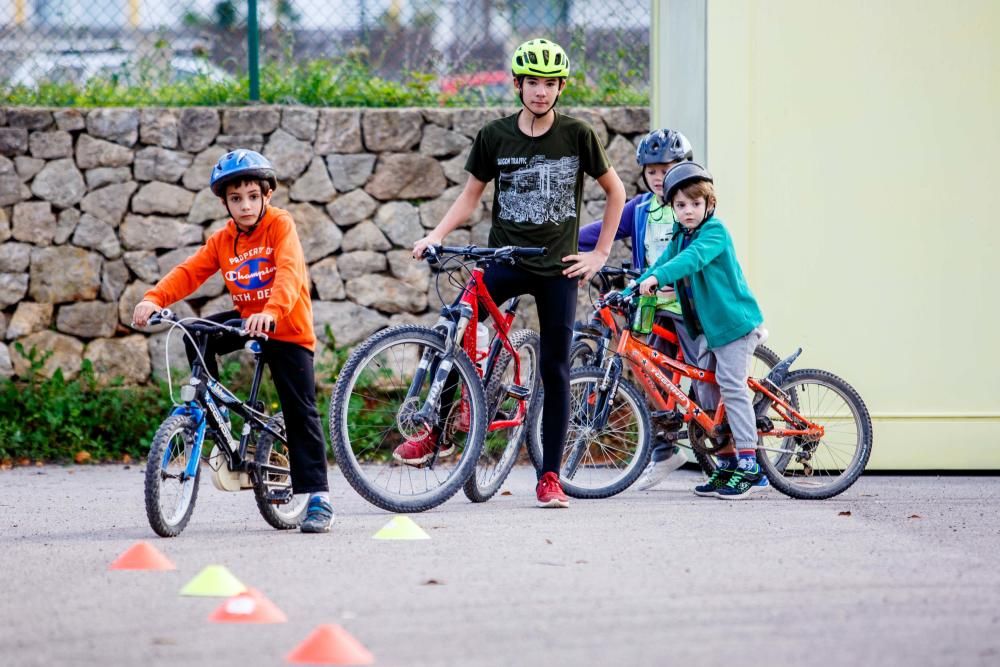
(726,308)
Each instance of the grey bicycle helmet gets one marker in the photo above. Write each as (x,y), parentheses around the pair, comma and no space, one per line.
(663,146)
(683,174)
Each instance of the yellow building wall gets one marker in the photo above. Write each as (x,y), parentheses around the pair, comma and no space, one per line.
(856,150)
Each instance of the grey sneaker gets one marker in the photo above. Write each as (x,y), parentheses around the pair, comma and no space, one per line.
(657,471)
(319,516)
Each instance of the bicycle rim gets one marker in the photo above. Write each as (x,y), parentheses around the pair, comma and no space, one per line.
(376,396)
(825,467)
(603,456)
(501,446)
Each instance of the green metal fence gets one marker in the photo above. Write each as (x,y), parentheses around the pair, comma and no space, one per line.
(451,46)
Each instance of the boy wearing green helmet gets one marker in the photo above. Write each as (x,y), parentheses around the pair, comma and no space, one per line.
(537,159)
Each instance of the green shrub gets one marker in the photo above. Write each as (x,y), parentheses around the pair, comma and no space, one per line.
(347,82)
(55,419)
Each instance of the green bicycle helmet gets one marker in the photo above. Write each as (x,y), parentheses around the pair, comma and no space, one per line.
(540,57)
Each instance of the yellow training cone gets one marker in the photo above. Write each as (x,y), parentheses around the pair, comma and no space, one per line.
(214,581)
(401,528)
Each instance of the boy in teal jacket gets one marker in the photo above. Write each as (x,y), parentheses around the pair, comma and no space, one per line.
(719,309)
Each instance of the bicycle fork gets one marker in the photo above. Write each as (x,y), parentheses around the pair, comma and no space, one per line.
(596,412)
(441,365)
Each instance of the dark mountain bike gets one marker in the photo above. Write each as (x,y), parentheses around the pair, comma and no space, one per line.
(257,461)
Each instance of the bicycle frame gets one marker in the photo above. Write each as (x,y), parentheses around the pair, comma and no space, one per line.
(651,364)
(202,407)
(454,324)
(606,317)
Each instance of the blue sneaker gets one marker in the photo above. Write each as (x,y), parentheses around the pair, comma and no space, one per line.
(743,483)
(319,516)
(719,478)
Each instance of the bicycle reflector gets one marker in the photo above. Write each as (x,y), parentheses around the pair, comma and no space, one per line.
(645,313)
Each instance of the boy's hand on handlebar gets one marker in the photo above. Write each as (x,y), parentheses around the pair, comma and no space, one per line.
(143,311)
(258,323)
(648,286)
(585,265)
(420,246)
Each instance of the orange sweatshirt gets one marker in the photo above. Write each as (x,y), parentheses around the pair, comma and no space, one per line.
(265,272)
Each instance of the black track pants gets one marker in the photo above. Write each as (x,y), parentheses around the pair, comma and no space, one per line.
(291,368)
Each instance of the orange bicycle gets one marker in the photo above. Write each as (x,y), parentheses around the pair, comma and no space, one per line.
(593,341)
(814,431)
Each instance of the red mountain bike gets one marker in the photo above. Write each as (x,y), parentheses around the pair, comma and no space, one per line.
(462,409)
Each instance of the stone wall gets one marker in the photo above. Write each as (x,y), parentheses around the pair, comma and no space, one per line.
(96,205)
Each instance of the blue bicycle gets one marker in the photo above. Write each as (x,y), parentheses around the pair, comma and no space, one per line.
(257,461)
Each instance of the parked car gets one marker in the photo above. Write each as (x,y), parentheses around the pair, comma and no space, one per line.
(481,86)
(79,68)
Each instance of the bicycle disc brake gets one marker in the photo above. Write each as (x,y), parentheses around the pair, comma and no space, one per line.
(409,426)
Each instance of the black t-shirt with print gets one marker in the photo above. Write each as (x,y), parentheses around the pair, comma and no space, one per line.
(539,185)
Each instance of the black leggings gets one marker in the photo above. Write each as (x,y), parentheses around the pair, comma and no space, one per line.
(555,298)
(292,372)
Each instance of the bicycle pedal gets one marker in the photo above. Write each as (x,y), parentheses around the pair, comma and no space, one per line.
(279,496)
(668,416)
(518,393)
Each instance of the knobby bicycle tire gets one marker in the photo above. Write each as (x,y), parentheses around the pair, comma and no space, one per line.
(796,381)
(477,488)
(770,359)
(264,453)
(184,426)
(339,408)
(636,402)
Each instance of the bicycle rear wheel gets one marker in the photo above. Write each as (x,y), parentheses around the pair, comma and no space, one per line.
(380,389)
(501,446)
(603,456)
(761,363)
(169,492)
(826,467)
(273,452)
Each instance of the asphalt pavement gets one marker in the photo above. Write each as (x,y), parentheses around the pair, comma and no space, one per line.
(896,571)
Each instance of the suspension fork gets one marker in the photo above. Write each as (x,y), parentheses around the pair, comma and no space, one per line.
(445,363)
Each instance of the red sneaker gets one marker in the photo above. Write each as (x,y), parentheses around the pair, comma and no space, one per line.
(420,450)
(550,492)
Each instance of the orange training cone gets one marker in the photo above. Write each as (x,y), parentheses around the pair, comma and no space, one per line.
(330,645)
(248,607)
(142,556)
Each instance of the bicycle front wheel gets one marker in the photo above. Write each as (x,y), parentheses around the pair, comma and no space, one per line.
(502,445)
(608,439)
(804,468)
(761,363)
(170,492)
(375,418)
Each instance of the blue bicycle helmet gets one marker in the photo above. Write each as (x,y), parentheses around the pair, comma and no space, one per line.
(241,164)
(663,146)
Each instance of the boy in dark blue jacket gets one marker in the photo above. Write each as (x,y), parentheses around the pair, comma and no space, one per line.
(649,222)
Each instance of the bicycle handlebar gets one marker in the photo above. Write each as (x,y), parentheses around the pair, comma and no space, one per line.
(234,326)
(434,252)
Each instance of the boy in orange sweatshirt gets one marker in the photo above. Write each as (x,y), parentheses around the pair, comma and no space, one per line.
(261,260)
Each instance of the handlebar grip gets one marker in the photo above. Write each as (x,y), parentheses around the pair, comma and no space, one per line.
(532,252)
(241,324)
